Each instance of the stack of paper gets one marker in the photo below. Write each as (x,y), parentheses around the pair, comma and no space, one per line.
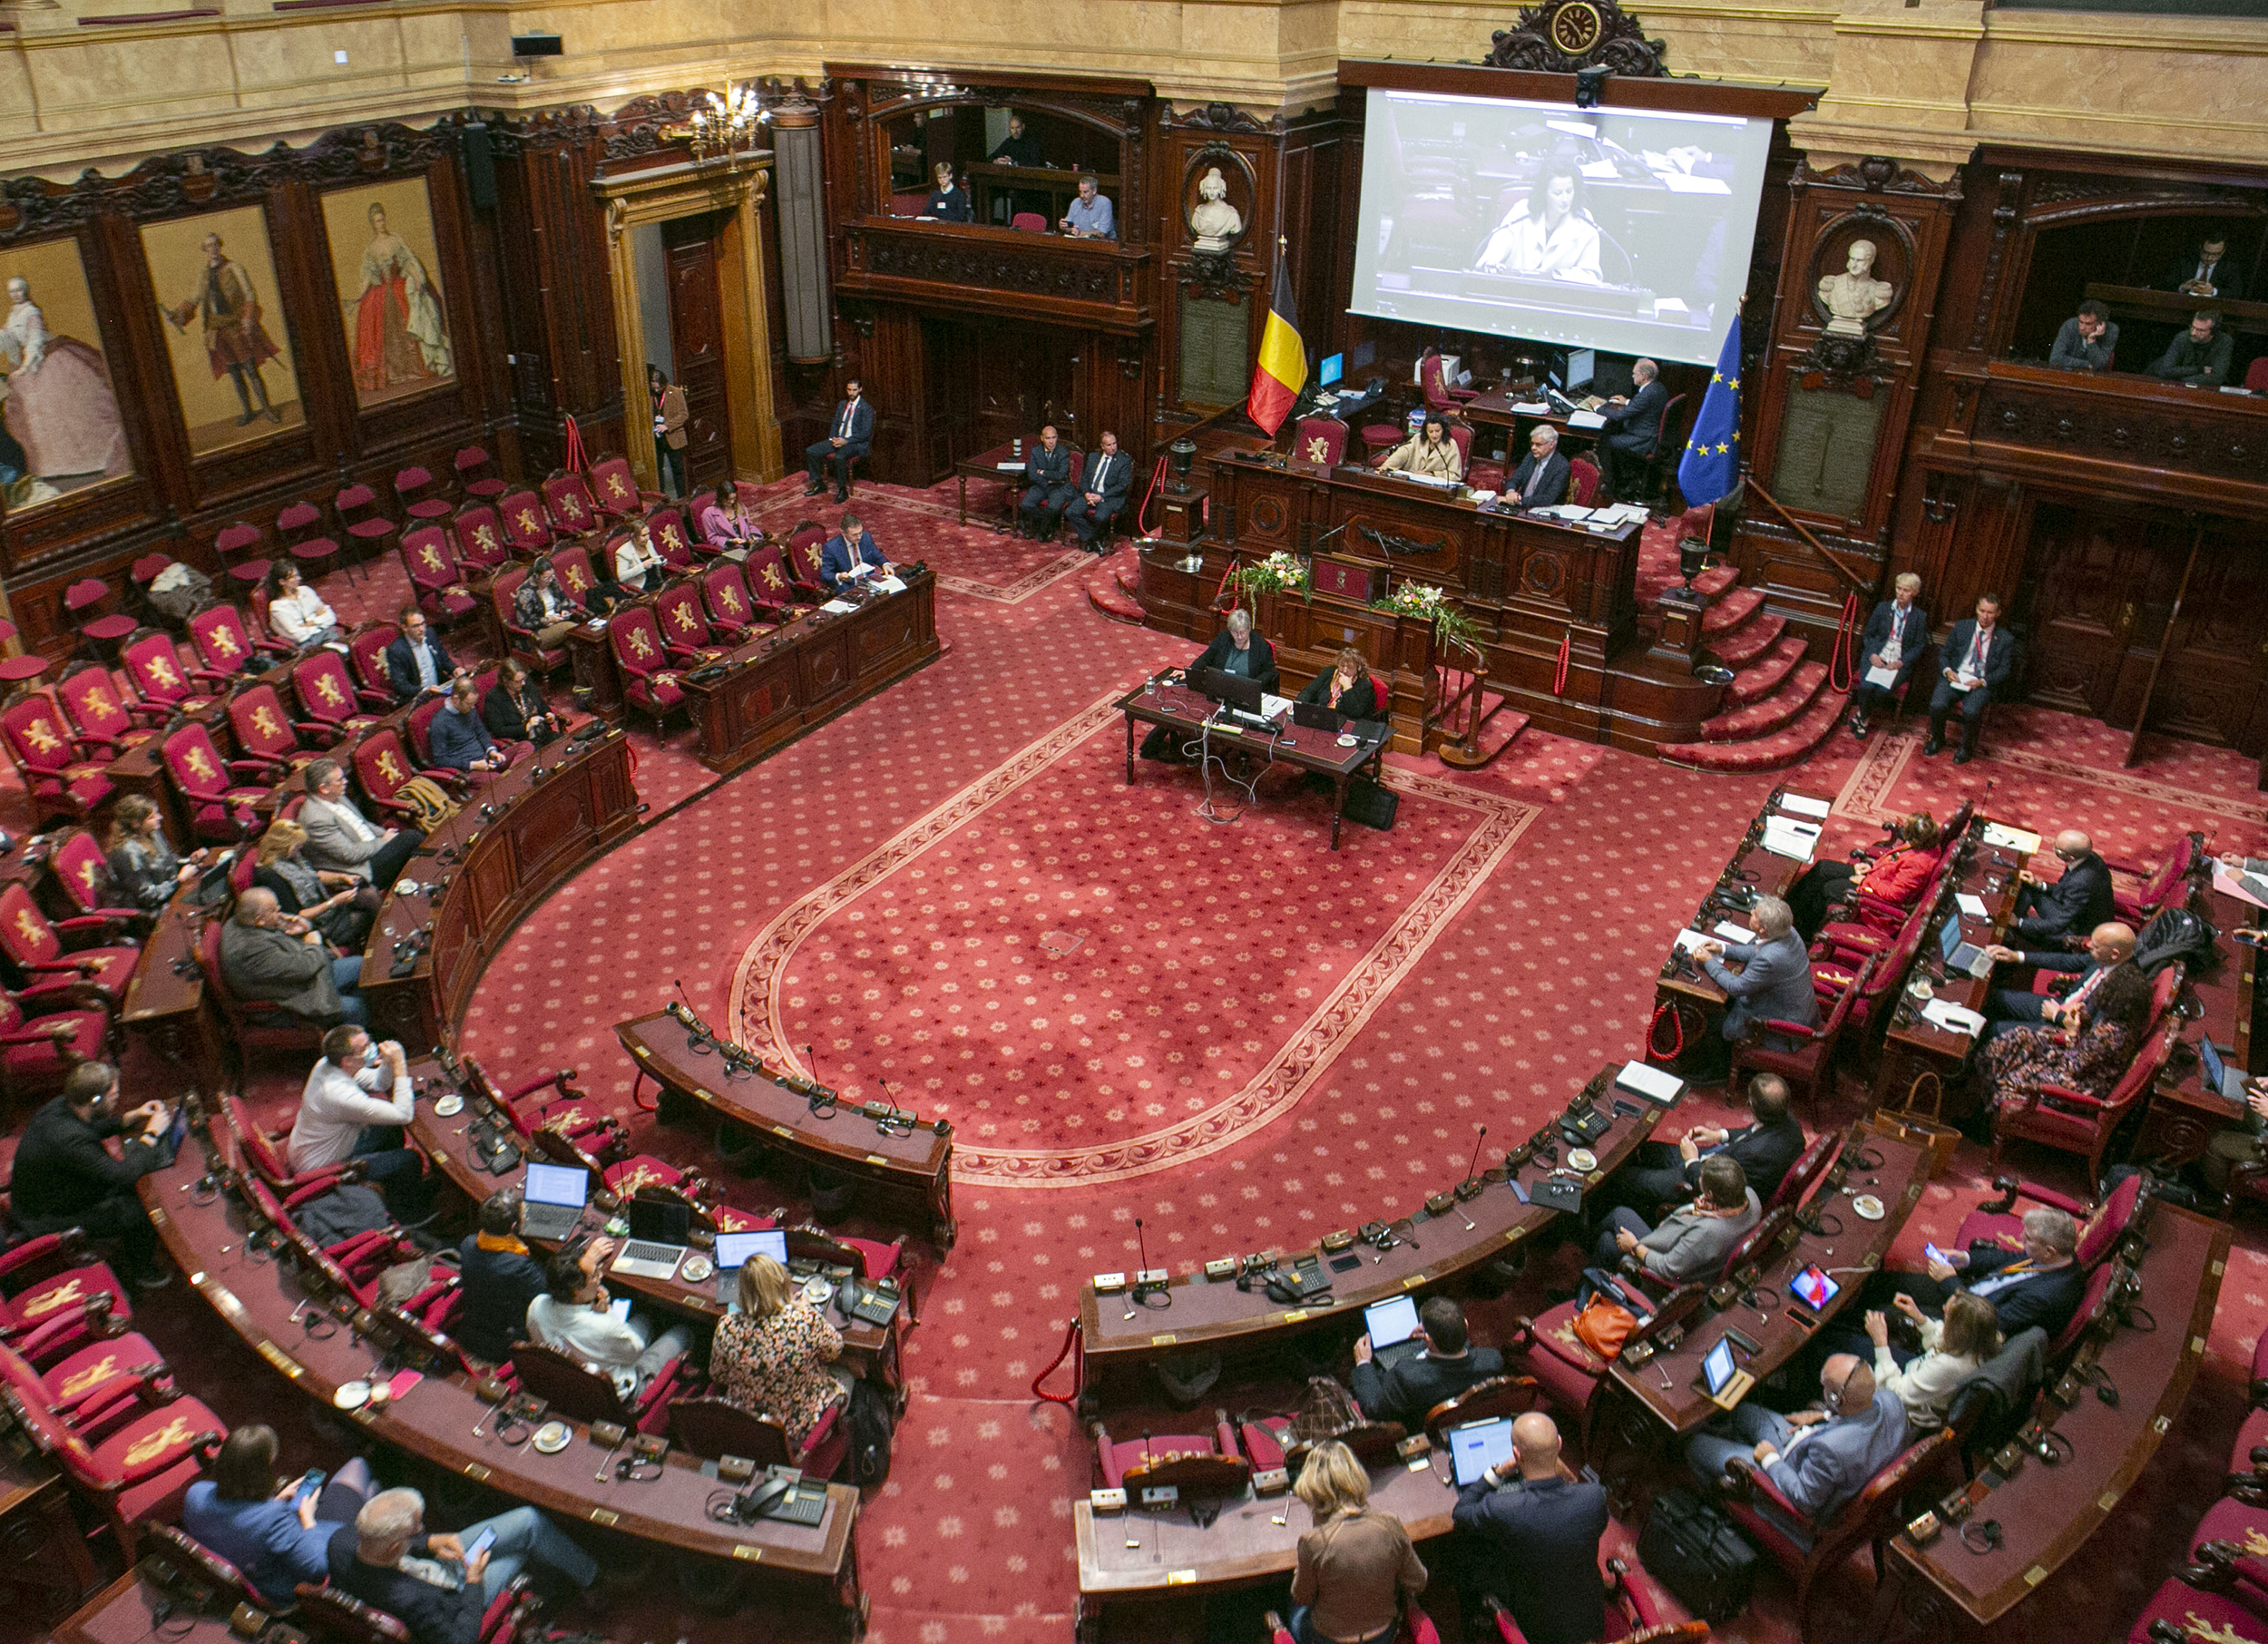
(890,584)
(1728,931)
(1274,706)
(1585,419)
(1974,906)
(1952,1017)
(1662,1089)
(1783,837)
(1801,804)
(840,607)
(1532,408)
(1689,940)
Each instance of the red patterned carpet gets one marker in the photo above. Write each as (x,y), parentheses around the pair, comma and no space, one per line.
(1343,1024)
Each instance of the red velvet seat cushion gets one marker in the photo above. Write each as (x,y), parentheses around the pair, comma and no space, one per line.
(92,1371)
(2200,1615)
(1120,1458)
(1567,1371)
(33,1061)
(2233,1521)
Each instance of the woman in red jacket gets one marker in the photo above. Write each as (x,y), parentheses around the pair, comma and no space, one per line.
(1898,877)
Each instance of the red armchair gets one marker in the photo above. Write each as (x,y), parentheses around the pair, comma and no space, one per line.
(576,579)
(2138,891)
(61,783)
(218,792)
(670,538)
(37,1054)
(2103,1228)
(331,706)
(731,612)
(254,1024)
(265,734)
(711,1427)
(162,682)
(102,726)
(566,1110)
(1484,1401)
(1629,1592)
(2073,1121)
(66,958)
(1571,1376)
(82,874)
(1204,1464)
(137,1468)
(341,1619)
(435,575)
(1582,481)
(614,489)
(1810,1063)
(481,547)
(383,768)
(1441,395)
(266,1155)
(650,684)
(54,1293)
(585,1394)
(684,625)
(568,500)
(1320,440)
(771,585)
(526,527)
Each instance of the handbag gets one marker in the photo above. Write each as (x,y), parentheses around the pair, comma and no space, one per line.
(1603,1326)
(1929,1130)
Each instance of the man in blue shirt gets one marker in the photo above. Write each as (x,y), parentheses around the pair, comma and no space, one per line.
(460,740)
(1090,217)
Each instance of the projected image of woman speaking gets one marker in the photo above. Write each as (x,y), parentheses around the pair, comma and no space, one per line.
(1549,234)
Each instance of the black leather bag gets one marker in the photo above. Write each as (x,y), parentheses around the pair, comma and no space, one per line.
(1371,805)
(1692,1548)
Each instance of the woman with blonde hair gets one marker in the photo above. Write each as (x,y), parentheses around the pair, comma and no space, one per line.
(1355,1564)
(142,858)
(339,905)
(1952,1350)
(775,1355)
(1346,687)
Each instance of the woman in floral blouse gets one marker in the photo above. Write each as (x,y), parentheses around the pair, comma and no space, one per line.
(772,1355)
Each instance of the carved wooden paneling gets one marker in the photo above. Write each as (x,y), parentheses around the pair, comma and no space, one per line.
(997,271)
(2225,442)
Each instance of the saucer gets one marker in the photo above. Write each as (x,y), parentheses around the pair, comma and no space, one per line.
(1348,741)
(1582,1158)
(696,1268)
(1870,1208)
(351,1395)
(819,1291)
(449,1106)
(553,1437)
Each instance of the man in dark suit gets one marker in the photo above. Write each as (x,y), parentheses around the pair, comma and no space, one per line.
(1047,473)
(850,434)
(1895,635)
(416,664)
(268,954)
(1103,486)
(1537,1538)
(850,548)
(1236,649)
(1977,658)
(1437,1363)
(2210,273)
(1540,480)
(2037,1284)
(1767,1149)
(2078,900)
(1633,426)
(2108,946)
(65,1175)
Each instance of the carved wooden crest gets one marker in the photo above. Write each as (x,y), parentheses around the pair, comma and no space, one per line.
(1560,36)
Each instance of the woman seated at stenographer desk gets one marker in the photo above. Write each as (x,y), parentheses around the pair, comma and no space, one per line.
(1346,687)
(1430,451)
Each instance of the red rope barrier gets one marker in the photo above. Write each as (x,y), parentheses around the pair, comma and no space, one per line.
(577,459)
(1652,1033)
(1844,658)
(1225,584)
(1074,1349)
(1567,653)
(637,1100)
(1157,485)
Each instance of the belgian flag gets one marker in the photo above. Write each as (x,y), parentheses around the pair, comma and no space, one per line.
(1282,369)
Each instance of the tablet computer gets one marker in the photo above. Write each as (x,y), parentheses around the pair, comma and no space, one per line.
(1477,1446)
(1718,1369)
(1391,1321)
(1814,1288)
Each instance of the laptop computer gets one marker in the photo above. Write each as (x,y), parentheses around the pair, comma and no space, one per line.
(552,1200)
(1477,1446)
(1960,954)
(1315,716)
(733,1251)
(2218,1075)
(659,1231)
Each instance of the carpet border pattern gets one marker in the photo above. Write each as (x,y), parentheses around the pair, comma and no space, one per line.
(1886,759)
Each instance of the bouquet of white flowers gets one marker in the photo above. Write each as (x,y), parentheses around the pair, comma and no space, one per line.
(1431,605)
(1273,574)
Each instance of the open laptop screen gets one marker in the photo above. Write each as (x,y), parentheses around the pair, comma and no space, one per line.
(733,1249)
(549,1184)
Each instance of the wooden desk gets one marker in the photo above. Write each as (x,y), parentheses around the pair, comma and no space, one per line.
(479,875)
(1179,709)
(165,1002)
(989,179)
(908,1176)
(1914,1045)
(44,1565)
(2047,1514)
(1670,1387)
(782,684)
(126,1612)
(266,1305)
(1694,1002)
(1203,1313)
(2177,308)
(1172,1562)
(985,465)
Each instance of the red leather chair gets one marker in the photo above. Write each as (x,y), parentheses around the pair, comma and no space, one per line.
(337,1618)
(584,1393)
(2138,892)
(870,1258)
(576,579)
(60,782)
(137,1468)
(56,1293)
(100,726)
(254,1024)
(37,1054)
(161,679)
(2102,1227)
(1416,1628)
(419,495)
(225,647)
(731,612)
(1869,1519)
(383,766)
(330,704)
(1484,1401)
(84,1386)
(1025,222)
(568,500)
(169,1544)
(671,541)
(435,578)
(265,733)
(1814,1162)
(2219,1598)
(526,525)
(1268,1444)
(543,661)
(83,874)
(301,528)
(367,528)
(66,957)
(567,1109)
(1571,1376)
(1582,480)
(1320,440)
(1201,1464)
(2072,1121)
(614,489)
(1808,1063)
(805,544)
(771,585)
(684,626)
(481,545)
(476,474)
(267,1156)
(238,544)
(711,1427)
(1440,396)
(217,793)
(1639,1620)
(650,684)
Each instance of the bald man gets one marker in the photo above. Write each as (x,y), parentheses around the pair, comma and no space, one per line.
(2077,901)
(2108,946)
(1533,1528)
(268,954)
(1818,1459)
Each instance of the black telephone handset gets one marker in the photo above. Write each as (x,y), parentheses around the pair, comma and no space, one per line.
(756,1502)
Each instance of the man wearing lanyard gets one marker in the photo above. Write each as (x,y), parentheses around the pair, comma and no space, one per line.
(2037,1284)
(850,432)
(1890,647)
(1978,656)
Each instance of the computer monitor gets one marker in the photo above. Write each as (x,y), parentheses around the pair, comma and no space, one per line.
(549,1184)
(1582,365)
(1328,373)
(733,1249)
(1233,689)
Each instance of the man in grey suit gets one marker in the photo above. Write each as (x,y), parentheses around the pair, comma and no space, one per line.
(1692,1242)
(1818,1459)
(1773,982)
(342,841)
(269,956)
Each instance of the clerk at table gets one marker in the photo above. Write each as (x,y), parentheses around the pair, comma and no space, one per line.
(1236,650)
(1633,426)
(1540,480)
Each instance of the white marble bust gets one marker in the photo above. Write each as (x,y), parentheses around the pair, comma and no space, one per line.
(1215,222)
(1854,296)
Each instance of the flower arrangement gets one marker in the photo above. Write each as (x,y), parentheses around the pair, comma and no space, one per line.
(1432,604)
(1280,571)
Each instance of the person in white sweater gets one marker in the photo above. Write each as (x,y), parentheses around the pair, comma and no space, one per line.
(578,1317)
(1952,1352)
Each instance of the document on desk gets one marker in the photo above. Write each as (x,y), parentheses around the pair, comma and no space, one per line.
(1729,932)
(1973,906)
(1009,467)
(1656,1085)
(1801,804)
(1687,940)
(890,584)
(1585,419)
(2002,837)
(1272,707)
(1952,1017)
(1532,408)
(839,607)
(1795,840)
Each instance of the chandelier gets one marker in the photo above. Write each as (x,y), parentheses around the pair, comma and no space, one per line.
(718,127)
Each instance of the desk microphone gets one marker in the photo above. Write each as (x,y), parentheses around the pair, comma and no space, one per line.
(1470,1187)
(679,983)
(1148,1281)
(821,1096)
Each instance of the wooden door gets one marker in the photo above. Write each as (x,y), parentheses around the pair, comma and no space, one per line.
(1023,380)
(697,329)
(2088,575)
(2210,688)
(949,408)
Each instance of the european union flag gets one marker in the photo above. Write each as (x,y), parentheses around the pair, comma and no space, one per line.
(1710,467)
